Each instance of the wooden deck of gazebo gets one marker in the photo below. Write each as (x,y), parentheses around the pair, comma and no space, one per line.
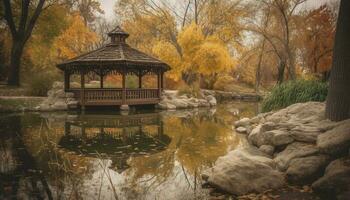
(115,58)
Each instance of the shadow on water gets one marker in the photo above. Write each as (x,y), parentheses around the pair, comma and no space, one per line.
(18,165)
(116,136)
(109,154)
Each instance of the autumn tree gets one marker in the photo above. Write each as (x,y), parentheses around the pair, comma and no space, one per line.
(278,32)
(21,32)
(87,9)
(338,99)
(316,39)
(186,33)
(75,40)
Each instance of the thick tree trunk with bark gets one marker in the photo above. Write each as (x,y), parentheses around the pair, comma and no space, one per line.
(338,100)
(15,62)
(20,34)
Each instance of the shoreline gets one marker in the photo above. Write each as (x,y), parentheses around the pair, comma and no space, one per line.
(292,146)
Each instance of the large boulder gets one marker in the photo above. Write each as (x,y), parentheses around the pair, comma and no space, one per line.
(305,170)
(292,151)
(268,149)
(242,122)
(336,140)
(307,112)
(305,133)
(179,103)
(244,171)
(262,134)
(281,137)
(336,180)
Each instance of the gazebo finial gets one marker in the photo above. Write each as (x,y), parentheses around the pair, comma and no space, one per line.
(118,35)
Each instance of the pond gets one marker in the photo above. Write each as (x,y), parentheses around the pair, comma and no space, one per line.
(142,154)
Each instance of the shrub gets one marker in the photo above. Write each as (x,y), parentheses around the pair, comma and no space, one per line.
(223,82)
(295,92)
(192,90)
(40,84)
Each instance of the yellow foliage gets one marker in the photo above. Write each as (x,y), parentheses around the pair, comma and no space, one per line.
(200,54)
(190,40)
(212,57)
(168,53)
(75,40)
(223,82)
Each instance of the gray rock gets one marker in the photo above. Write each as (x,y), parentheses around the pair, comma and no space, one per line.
(305,170)
(256,119)
(261,134)
(57,85)
(166,106)
(241,130)
(124,107)
(244,171)
(336,140)
(294,150)
(212,100)
(59,105)
(309,111)
(242,122)
(60,93)
(336,180)
(305,133)
(281,137)
(179,103)
(268,149)
(192,104)
(203,103)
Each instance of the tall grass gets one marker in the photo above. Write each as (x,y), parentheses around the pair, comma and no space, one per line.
(295,92)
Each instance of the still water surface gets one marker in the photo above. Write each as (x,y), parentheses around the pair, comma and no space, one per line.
(106,155)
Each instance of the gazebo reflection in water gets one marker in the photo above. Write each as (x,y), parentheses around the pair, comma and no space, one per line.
(116,137)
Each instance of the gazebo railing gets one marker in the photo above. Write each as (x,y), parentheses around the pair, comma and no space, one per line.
(142,93)
(114,96)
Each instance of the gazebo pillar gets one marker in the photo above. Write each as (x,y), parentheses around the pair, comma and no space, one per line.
(124,89)
(82,90)
(101,78)
(162,80)
(159,84)
(140,80)
(66,80)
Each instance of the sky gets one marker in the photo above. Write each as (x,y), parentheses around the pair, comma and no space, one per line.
(108,6)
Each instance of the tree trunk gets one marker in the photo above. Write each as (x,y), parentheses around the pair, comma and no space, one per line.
(15,62)
(281,68)
(338,100)
(258,68)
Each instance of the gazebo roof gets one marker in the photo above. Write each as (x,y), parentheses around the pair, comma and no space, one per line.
(116,54)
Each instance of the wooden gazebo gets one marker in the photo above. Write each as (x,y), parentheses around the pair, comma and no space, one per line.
(117,57)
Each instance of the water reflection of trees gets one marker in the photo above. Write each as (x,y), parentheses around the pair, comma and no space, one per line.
(196,139)
(20,176)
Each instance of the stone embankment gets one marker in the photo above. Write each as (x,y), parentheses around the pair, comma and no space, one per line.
(171,100)
(57,99)
(295,145)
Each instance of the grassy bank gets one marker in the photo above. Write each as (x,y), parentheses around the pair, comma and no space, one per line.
(293,92)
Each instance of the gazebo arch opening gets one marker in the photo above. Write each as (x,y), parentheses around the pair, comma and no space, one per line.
(114,75)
